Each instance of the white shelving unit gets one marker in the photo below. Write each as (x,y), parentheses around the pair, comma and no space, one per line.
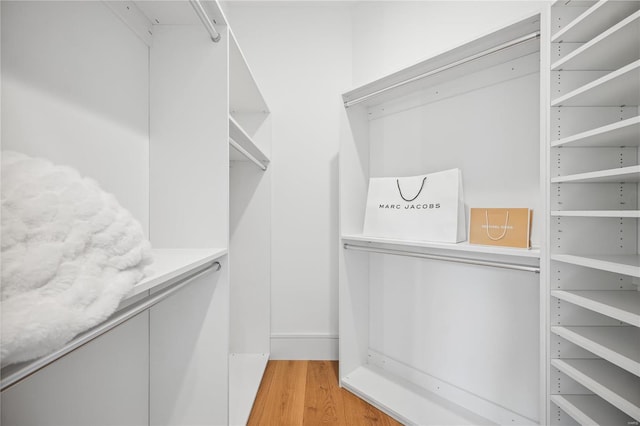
(594,134)
(139,96)
(401,299)
(250,235)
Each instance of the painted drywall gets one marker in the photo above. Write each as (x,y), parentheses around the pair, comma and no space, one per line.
(300,54)
(304,54)
(391,35)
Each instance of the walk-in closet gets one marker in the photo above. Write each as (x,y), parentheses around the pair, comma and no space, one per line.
(339,212)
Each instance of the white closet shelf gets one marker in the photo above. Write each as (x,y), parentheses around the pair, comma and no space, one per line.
(596,213)
(244,93)
(169,264)
(621,264)
(619,134)
(623,305)
(623,174)
(245,147)
(245,375)
(619,345)
(620,87)
(591,410)
(595,20)
(479,54)
(463,247)
(614,48)
(611,383)
(404,402)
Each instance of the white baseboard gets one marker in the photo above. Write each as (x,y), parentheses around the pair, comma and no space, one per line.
(311,346)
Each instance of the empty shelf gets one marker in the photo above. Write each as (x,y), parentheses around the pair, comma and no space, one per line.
(245,146)
(620,87)
(614,48)
(621,264)
(621,133)
(611,383)
(591,410)
(619,345)
(619,304)
(622,174)
(595,20)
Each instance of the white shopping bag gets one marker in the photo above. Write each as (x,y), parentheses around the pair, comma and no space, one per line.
(420,208)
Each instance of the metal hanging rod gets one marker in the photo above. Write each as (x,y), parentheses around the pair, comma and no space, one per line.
(202,14)
(247,154)
(129,312)
(454,64)
(501,265)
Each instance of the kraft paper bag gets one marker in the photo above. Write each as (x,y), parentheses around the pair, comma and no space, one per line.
(501,227)
(420,208)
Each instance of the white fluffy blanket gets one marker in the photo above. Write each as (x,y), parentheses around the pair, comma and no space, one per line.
(70,253)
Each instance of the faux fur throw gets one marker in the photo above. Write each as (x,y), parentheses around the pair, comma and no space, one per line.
(70,253)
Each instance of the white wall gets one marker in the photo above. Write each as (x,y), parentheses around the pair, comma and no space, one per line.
(391,35)
(300,53)
(304,55)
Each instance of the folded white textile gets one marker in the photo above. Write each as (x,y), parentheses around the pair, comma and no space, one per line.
(70,254)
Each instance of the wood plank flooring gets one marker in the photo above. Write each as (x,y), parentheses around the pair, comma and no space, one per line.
(306,393)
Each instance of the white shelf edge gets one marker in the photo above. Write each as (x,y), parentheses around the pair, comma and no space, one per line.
(616,310)
(623,264)
(610,354)
(172,263)
(596,213)
(629,123)
(576,406)
(596,83)
(247,146)
(585,47)
(615,395)
(624,174)
(245,375)
(463,247)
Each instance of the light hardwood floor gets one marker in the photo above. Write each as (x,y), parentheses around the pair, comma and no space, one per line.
(305,393)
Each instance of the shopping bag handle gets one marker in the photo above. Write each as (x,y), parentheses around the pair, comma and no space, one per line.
(504,232)
(406,199)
